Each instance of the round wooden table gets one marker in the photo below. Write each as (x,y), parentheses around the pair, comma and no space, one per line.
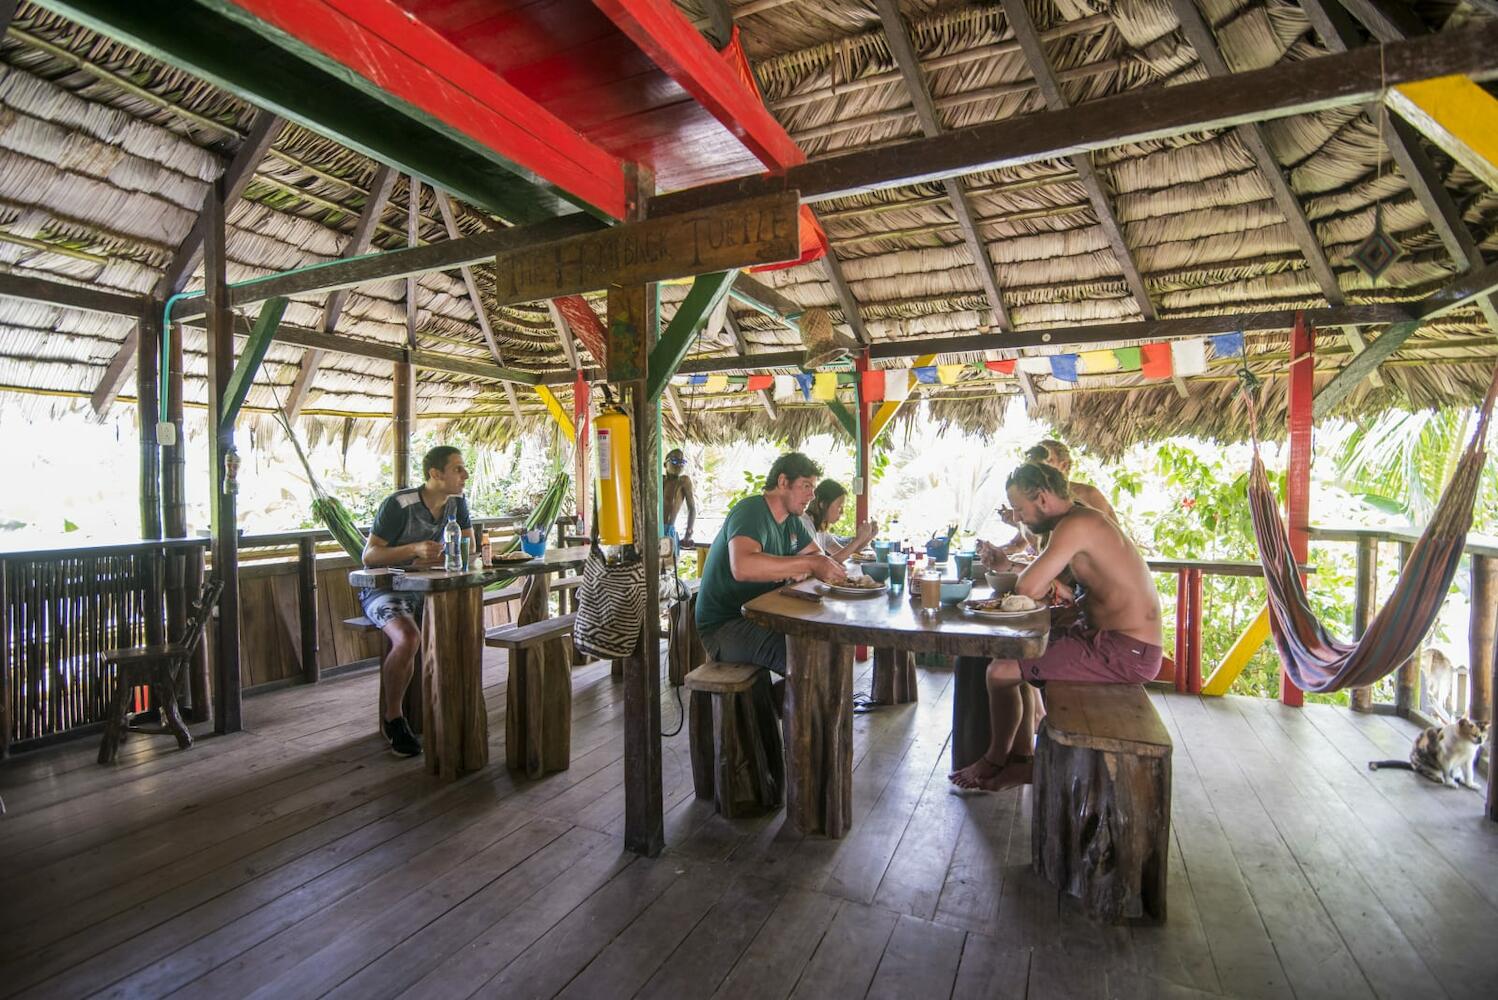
(820,636)
(455,726)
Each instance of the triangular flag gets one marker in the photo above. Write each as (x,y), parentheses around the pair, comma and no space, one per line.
(717,383)
(697,379)
(1064,367)
(1001,367)
(803,382)
(738,379)
(758,382)
(1128,358)
(1155,360)
(896,384)
(1188,357)
(873,386)
(1035,366)
(1094,362)
(785,386)
(825,386)
(948,374)
(1227,345)
(925,374)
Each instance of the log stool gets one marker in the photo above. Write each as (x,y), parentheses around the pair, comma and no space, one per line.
(411,703)
(735,739)
(1101,828)
(158,667)
(538,696)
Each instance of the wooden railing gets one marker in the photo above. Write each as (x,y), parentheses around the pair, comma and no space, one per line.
(59,610)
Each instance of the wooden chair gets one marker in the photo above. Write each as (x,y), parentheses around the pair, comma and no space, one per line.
(1101,826)
(159,667)
(538,696)
(735,739)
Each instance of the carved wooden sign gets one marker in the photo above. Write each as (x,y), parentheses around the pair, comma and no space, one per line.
(764,230)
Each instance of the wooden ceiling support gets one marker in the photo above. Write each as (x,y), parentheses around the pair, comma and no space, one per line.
(56,293)
(189,254)
(1388,22)
(1025,31)
(1282,90)
(7,13)
(897,35)
(358,245)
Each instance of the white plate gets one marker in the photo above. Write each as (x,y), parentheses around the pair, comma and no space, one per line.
(510,558)
(998,615)
(832,588)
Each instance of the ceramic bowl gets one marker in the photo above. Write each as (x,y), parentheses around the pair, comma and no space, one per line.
(876,570)
(953,591)
(1002,583)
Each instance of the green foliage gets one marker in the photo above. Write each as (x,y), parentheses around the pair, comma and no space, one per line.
(754,485)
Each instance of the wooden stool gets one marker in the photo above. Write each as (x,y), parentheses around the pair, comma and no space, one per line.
(538,697)
(411,703)
(1101,828)
(159,667)
(735,739)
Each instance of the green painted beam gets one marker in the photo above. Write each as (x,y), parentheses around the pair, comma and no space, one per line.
(1360,367)
(845,419)
(262,334)
(281,75)
(671,349)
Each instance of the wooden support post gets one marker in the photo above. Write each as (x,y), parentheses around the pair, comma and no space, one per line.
(1364,598)
(1407,693)
(222,505)
(7,723)
(819,736)
(147,405)
(306,595)
(1482,638)
(403,402)
(255,349)
(865,439)
(632,322)
(1194,654)
(1298,477)
(185,567)
(1183,630)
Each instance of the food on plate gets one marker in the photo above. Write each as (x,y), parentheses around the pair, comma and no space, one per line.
(1012,602)
(512,557)
(862,583)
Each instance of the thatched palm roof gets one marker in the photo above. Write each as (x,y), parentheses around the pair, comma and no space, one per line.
(105,156)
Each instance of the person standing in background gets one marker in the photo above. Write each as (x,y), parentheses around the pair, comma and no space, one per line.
(676,489)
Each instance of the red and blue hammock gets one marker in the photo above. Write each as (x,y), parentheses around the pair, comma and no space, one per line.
(1319,663)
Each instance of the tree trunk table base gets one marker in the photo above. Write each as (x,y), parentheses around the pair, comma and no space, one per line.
(819,736)
(970,729)
(455,724)
(894,677)
(1101,827)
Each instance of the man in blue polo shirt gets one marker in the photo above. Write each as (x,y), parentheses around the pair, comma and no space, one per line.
(408,532)
(762,544)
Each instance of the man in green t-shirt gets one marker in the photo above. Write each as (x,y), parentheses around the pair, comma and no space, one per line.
(762,544)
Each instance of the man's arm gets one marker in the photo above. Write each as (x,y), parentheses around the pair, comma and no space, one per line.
(378,552)
(1036,581)
(750,563)
(691,501)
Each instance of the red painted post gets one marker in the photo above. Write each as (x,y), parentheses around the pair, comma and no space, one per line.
(1194,667)
(1298,476)
(865,421)
(1183,629)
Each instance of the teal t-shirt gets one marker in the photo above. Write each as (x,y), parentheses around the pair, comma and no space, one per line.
(720,597)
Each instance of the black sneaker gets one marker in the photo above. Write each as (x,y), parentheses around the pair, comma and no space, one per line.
(403,742)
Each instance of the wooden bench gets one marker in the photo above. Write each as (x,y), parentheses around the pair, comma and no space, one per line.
(538,696)
(411,703)
(1101,829)
(735,739)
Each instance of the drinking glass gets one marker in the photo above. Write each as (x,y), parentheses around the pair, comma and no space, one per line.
(897,562)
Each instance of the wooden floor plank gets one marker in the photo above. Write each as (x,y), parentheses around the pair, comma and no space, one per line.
(700,963)
(848,954)
(991,968)
(920,960)
(770,967)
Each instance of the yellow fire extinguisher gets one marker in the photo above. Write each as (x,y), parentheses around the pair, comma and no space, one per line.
(616,518)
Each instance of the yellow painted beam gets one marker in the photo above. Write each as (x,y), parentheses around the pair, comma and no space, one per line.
(1457,115)
(887,411)
(1238,656)
(557,413)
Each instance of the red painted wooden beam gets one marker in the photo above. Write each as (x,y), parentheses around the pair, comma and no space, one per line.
(385,45)
(671,41)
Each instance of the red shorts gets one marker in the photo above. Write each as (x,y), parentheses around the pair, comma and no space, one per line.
(1103,657)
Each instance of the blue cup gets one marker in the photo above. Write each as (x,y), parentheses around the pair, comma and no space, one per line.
(881,551)
(534,549)
(936,549)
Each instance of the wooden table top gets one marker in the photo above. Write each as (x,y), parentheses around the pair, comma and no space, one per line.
(433,580)
(893,620)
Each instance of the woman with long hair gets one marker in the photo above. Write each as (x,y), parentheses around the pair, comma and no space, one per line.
(825,510)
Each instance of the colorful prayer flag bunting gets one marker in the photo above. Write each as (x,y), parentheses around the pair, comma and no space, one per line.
(803,381)
(824,387)
(925,374)
(697,380)
(758,382)
(948,374)
(1128,358)
(1096,362)
(1155,360)
(896,385)
(785,386)
(1064,367)
(873,386)
(1227,345)
(717,383)
(1035,366)
(1001,367)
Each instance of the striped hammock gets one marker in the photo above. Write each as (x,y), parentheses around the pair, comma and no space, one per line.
(1314,660)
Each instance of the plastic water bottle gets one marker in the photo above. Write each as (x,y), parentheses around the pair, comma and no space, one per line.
(452,557)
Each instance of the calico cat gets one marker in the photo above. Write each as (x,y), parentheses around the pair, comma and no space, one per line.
(1446,754)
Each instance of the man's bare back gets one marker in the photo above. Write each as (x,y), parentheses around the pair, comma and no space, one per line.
(1120,594)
